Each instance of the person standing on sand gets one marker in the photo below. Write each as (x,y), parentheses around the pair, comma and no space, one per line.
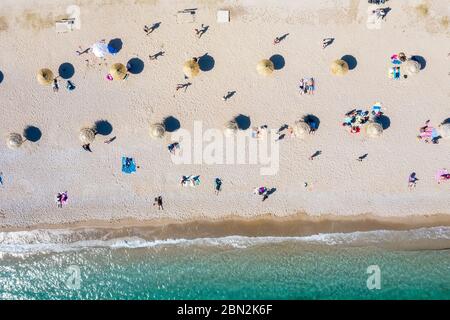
(158,201)
(55,85)
(326,42)
(1,178)
(315,154)
(412,180)
(87,147)
(218,185)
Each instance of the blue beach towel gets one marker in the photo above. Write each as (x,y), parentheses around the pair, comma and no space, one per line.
(128,165)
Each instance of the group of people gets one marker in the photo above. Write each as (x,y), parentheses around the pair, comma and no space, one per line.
(306,86)
(263,191)
(428,133)
(61,199)
(397,60)
(190,181)
(355,119)
(69,85)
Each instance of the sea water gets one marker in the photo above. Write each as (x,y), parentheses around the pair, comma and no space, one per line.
(64,264)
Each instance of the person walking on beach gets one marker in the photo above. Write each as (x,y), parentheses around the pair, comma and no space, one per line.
(81,51)
(218,185)
(156,55)
(228,95)
(326,42)
(55,85)
(110,140)
(158,201)
(315,154)
(361,158)
(200,32)
(183,86)
(412,180)
(87,147)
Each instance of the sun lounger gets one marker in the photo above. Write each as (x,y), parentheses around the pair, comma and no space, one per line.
(186,16)
(64,25)
(223,16)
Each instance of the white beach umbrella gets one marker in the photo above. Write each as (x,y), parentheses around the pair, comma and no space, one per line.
(87,135)
(157,130)
(444,130)
(231,128)
(300,129)
(14,140)
(412,66)
(374,129)
(100,49)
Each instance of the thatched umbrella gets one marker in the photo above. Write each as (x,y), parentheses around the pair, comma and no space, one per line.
(191,68)
(412,66)
(118,71)
(265,67)
(339,67)
(231,128)
(45,76)
(157,130)
(300,129)
(87,136)
(444,130)
(374,129)
(14,140)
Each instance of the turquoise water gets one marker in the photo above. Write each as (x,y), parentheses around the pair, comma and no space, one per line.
(325,267)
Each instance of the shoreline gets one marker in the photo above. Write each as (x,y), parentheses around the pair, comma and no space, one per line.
(300,224)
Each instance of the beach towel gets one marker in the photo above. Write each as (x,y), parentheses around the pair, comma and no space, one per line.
(128,165)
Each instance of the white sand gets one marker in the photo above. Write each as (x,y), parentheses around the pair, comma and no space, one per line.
(339,184)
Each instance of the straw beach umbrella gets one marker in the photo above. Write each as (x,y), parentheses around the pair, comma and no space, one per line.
(118,71)
(231,128)
(191,68)
(412,66)
(300,129)
(14,140)
(87,136)
(45,76)
(157,130)
(339,67)
(444,130)
(265,67)
(374,129)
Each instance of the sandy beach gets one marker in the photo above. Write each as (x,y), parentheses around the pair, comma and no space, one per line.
(338,186)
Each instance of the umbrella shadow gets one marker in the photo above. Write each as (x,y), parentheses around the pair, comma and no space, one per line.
(32,133)
(116,45)
(351,61)
(135,65)
(243,122)
(66,70)
(1,77)
(103,127)
(421,60)
(312,121)
(278,61)
(171,124)
(384,121)
(206,62)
